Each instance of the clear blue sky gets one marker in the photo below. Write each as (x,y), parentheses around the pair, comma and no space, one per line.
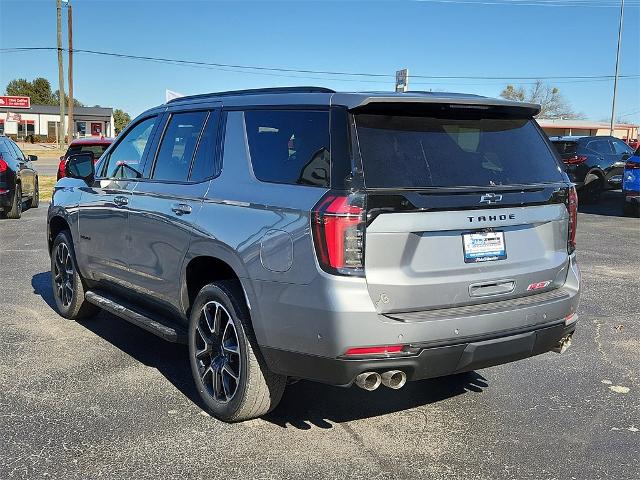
(465,37)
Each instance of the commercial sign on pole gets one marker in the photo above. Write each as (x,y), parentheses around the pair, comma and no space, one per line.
(402,80)
(15,102)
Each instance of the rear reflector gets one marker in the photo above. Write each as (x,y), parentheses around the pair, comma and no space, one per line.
(569,319)
(381,350)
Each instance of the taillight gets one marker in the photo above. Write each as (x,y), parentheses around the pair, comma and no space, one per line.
(3,164)
(631,165)
(572,207)
(338,225)
(575,160)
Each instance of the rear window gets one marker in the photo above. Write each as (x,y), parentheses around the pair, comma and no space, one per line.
(566,148)
(96,150)
(289,146)
(414,152)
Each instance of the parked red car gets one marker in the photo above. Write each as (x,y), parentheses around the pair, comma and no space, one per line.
(93,145)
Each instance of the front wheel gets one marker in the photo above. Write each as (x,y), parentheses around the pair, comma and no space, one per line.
(231,376)
(68,288)
(592,189)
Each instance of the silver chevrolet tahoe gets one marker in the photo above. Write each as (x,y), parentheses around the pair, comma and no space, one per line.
(345,238)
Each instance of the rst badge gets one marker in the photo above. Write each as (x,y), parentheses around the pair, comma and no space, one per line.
(538,285)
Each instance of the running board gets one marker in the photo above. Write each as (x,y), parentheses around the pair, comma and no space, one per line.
(159,326)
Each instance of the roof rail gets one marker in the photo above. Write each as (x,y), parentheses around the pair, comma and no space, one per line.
(254,91)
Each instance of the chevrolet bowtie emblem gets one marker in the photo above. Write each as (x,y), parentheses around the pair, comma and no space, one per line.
(490,198)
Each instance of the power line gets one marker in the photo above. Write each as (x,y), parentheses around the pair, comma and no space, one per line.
(281,70)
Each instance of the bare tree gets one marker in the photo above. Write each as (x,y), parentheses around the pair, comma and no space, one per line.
(554,105)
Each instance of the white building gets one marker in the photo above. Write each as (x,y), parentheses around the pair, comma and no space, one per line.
(43,121)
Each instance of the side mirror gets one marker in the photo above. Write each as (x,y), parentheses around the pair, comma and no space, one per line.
(33,158)
(80,166)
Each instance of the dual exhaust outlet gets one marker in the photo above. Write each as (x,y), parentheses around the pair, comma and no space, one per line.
(393,379)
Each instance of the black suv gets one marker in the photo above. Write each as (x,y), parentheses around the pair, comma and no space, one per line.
(18,179)
(593,163)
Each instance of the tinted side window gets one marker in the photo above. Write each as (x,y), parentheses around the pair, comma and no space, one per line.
(566,148)
(124,160)
(289,146)
(620,147)
(203,162)
(601,146)
(18,152)
(178,145)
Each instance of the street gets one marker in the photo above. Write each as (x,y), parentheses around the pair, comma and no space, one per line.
(105,399)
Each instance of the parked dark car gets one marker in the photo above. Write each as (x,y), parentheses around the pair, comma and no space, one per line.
(346,238)
(18,180)
(594,164)
(93,145)
(631,184)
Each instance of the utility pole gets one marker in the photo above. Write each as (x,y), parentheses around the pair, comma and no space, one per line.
(70,34)
(615,80)
(60,75)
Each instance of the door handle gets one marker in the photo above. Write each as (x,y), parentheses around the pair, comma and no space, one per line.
(181,208)
(120,201)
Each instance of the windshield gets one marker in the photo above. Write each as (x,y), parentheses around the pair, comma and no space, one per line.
(414,152)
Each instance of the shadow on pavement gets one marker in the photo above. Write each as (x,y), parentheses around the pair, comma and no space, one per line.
(304,403)
(41,283)
(611,204)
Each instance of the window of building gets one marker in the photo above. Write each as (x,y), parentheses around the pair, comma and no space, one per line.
(1,127)
(289,146)
(52,129)
(81,128)
(178,145)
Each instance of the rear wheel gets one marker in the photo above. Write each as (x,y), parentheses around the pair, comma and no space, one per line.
(67,284)
(35,200)
(16,205)
(229,372)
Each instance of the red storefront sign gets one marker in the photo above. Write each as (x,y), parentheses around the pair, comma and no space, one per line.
(15,102)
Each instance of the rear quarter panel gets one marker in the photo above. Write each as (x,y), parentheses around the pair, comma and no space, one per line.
(262,230)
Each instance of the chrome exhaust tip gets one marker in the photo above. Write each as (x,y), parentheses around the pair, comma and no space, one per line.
(368,381)
(563,344)
(394,379)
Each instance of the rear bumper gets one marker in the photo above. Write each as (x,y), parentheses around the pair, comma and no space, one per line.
(6,198)
(306,336)
(430,362)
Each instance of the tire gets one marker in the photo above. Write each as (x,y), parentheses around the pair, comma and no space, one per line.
(592,191)
(229,372)
(68,286)
(16,205)
(35,201)
(631,209)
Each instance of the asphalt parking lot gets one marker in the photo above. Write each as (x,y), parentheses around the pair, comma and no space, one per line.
(104,399)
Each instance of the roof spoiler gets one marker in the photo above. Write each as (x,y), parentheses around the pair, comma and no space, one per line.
(417,103)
